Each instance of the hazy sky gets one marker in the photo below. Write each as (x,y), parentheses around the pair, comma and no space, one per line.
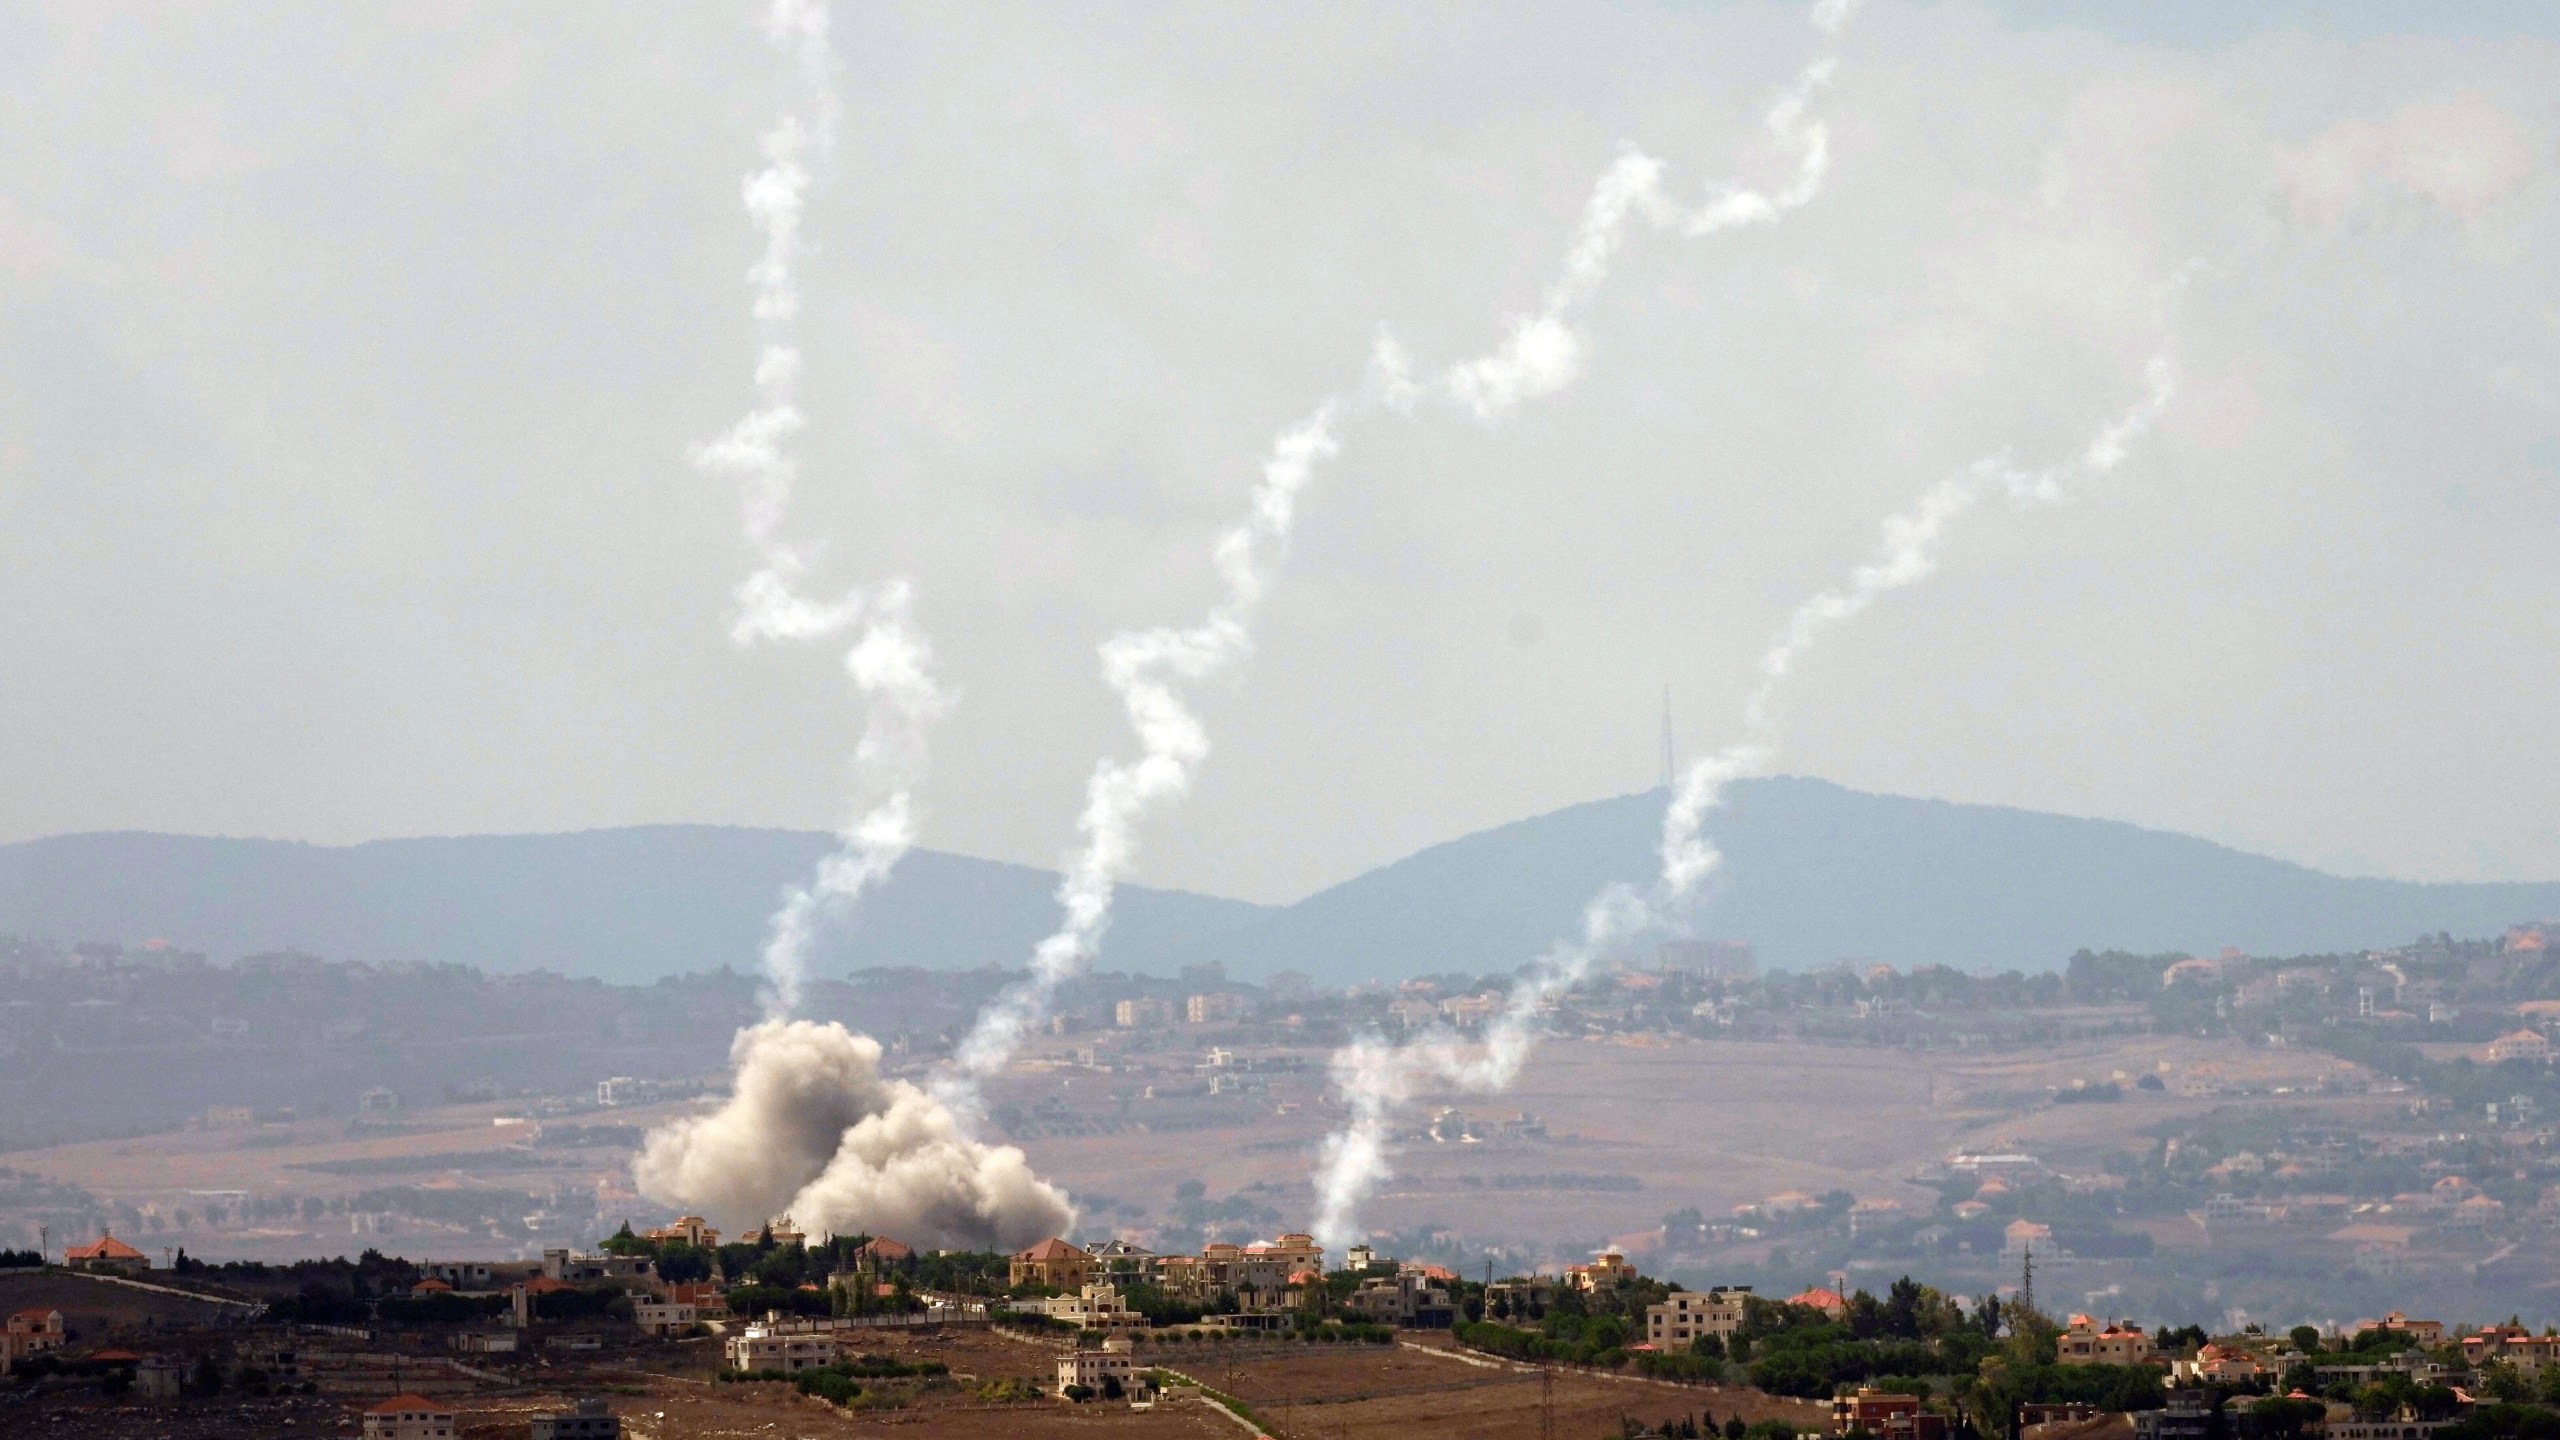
(350,355)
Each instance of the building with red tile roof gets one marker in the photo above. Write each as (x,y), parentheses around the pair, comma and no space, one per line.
(408,1417)
(1819,1297)
(109,1254)
(30,1332)
(1053,1263)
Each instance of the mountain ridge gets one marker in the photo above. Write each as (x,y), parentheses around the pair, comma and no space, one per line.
(1814,872)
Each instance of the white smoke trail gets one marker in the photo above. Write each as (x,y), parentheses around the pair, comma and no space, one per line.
(1376,1079)
(890,663)
(1151,670)
(810,1126)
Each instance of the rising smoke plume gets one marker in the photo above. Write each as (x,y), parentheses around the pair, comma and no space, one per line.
(890,662)
(811,1127)
(1375,1079)
(1152,670)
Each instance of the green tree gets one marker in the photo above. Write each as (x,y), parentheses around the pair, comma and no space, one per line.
(2277,1418)
(2305,1339)
(679,1263)
(623,1242)
(2500,1380)
(2546,1385)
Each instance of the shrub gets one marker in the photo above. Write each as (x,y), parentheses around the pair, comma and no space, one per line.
(829,1384)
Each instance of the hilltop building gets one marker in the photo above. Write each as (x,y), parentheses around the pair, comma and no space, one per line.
(1053,1263)
(2084,1342)
(109,1254)
(1607,1271)
(691,1229)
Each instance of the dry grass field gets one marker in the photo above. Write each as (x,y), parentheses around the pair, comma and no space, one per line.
(1633,1131)
(1296,1393)
(1417,1388)
(1711,1124)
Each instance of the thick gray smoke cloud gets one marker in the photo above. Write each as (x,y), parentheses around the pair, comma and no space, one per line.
(1375,1079)
(811,1128)
(1152,670)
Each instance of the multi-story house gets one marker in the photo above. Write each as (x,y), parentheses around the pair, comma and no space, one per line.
(1052,1263)
(2514,1344)
(1690,1315)
(2085,1342)
(30,1332)
(1122,1263)
(691,1229)
(1093,1369)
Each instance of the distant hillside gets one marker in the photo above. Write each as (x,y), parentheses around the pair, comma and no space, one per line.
(631,905)
(1816,872)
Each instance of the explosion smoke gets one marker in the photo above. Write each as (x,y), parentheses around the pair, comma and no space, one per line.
(810,1127)
(890,662)
(1151,669)
(813,1130)
(1376,1078)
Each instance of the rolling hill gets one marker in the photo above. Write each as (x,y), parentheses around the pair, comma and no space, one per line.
(1814,873)
(626,905)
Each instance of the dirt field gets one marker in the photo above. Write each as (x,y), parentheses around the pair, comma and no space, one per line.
(1718,1124)
(90,1306)
(1419,1387)
(1425,1388)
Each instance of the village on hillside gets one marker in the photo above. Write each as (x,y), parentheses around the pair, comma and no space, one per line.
(692,1330)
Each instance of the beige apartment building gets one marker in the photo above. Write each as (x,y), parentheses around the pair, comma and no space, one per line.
(1692,1314)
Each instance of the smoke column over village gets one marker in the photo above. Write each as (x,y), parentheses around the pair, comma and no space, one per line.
(811,1127)
(1375,1078)
(1152,670)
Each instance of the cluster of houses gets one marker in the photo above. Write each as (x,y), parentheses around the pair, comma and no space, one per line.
(1266,1285)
